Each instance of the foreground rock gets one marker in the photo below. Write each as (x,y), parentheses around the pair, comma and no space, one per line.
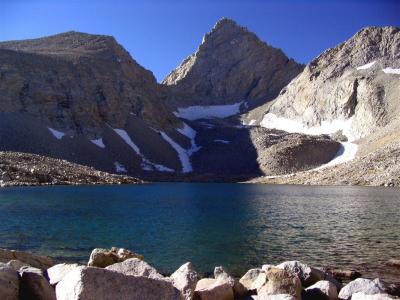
(96,283)
(135,267)
(254,279)
(34,285)
(239,290)
(362,285)
(281,282)
(34,260)
(307,275)
(363,296)
(211,288)
(57,273)
(185,280)
(322,290)
(103,257)
(9,283)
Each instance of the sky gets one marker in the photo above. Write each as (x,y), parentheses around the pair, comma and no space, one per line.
(160,34)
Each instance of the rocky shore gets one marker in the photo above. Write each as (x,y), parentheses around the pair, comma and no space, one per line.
(24,169)
(118,273)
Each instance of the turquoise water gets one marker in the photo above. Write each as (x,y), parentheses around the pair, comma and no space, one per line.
(235,225)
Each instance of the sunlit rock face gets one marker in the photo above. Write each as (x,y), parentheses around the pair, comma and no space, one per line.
(230,65)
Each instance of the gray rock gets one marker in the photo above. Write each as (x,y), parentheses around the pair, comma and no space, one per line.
(57,273)
(16,264)
(281,282)
(103,257)
(211,289)
(253,279)
(276,297)
(239,290)
(363,296)
(34,260)
(324,288)
(307,275)
(9,283)
(185,280)
(34,285)
(97,283)
(136,267)
(362,285)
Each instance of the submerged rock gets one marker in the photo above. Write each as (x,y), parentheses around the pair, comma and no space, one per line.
(103,257)
(185,280)
(97,283)
(136,267)
(34,260)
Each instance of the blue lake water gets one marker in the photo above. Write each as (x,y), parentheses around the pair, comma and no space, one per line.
(238,226)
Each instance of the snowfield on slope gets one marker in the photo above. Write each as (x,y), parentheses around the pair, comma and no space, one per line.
(366,66)
(57,134)
(391,71)
(208,111)
(347,151)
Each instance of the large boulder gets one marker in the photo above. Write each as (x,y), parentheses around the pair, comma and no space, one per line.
(185,280)
(34,285)
(9,283)
(366,286)
(239,290)
(57,273)
(253,279)
(34,260)
(307,275)
(97,283)
(281,282)
(103,257)
(323,289)
(136,267)
(211,289)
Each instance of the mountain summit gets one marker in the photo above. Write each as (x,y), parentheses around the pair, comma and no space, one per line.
(231,65)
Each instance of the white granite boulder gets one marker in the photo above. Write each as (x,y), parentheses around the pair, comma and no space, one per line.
(281,282)
(9,283)
(98,283)
(212,289)
(185,280)
(34,285)
(306,274)
(239,290)
(103,257)
(253,279)
(136,267)
(366,286)
(323,288)
(57,272)
(362,296)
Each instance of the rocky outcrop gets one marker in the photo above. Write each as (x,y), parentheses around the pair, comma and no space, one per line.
(97,283)
(230,65)
(348,81)
(103,257)
(34,260)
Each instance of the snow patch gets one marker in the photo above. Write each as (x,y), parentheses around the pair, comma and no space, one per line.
(272,121)
(366,66)
(99,143)
(119,168)
(252,122)
(208,112)
(183,154)
(146,164)
(346,153)
(222,141)
(391,71)
(57,134)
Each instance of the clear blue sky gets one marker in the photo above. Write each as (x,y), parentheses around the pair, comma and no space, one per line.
(159,34)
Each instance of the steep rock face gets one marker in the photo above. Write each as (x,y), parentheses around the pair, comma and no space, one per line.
(77,82)
(357,79)
(230,65)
